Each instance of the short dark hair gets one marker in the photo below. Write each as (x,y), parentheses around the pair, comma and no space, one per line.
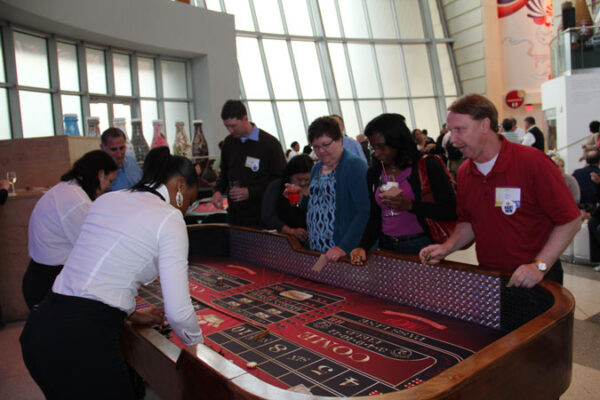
(160,166)
(85,171)
(397,136)
(478,107)
(507,124)
(594,126)
(592,157)
(294,143)
(233,109)
(307,149)
(324,126)
(299,164)
(530,120)
(113,133)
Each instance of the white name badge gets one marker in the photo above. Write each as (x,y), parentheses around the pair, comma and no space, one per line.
(508,199)
(252,163)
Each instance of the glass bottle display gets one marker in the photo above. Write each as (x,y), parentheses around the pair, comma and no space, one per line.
(93,126)
(71,127)
(140,146)
(121,123)
(158,138)
(181,147)
(199,145)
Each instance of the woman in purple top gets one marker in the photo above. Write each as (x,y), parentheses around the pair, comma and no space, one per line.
(397,213)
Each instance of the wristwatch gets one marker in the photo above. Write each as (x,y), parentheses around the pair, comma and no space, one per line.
(541,265)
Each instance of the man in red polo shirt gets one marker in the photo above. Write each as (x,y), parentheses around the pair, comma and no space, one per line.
(511,199)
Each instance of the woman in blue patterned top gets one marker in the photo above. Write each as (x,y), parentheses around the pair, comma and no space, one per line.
(338,205)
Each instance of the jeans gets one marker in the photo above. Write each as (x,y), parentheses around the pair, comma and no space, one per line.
(409,244)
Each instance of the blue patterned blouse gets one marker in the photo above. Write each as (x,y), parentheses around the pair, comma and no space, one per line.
(320,218)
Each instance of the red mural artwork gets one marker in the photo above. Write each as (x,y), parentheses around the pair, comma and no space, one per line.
(541,15)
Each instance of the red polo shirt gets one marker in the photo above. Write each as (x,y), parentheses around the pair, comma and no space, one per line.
(504,240)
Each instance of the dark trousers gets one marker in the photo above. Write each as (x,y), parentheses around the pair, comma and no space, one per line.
(409,244)
(556,273)
(71,347)
(594,230)
(38,281)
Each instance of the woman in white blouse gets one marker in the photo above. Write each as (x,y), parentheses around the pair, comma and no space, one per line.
(71,343)
(57,217)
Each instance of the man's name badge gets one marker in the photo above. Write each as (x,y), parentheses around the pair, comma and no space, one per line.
(252,163)
(508,199)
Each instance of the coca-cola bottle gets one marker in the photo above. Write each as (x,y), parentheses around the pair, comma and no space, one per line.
(140,146)
(199,145)
(158,138)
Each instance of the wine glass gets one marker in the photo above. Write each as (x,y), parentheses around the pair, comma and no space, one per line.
(11,176)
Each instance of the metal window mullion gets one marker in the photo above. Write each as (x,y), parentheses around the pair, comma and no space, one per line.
(261,50)
(294,69)
(55,85)
(436,73)
(135,87)
(10,70)
(375,60)
(160,103)
(83,85)
(449,45)
(324,58)
(403,66)
(110,82)
(190,93)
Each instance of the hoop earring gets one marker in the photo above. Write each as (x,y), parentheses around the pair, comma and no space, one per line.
(179,198)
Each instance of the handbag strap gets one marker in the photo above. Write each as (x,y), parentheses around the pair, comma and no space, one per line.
(424,177)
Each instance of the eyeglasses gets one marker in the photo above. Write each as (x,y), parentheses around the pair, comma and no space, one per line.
(323,146)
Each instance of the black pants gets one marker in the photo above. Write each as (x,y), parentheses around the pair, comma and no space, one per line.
(556,273)
(594,230)
(71,347)
(38,281)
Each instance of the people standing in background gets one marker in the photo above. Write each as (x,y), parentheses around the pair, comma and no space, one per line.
(439,143)
(425,144)
(250,160)
(129,173)
(534,136)
(569,179)
(592,141)
(349,144)
(293,151)
(364,143)
(338,205)
(512,200)
(516,129)
(587,186)
(508,132)
(57,218)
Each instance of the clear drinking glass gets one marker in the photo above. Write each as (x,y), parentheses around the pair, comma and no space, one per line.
(11,176)
(384,185)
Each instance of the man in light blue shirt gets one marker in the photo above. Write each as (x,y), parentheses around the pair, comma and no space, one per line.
(349,144)
(129,173)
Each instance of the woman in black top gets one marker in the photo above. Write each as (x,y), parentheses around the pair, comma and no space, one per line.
(277,213)
(397,213)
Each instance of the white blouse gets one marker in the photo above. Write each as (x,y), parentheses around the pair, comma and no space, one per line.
(55,223)
(127,240)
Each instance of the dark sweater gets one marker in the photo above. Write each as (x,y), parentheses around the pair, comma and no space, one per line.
(444,207)
(233,161)
(277,211)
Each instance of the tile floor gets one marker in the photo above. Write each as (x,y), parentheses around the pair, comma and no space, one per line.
(581,280)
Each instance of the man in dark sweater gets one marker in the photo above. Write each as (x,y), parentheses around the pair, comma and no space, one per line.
(250,159)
